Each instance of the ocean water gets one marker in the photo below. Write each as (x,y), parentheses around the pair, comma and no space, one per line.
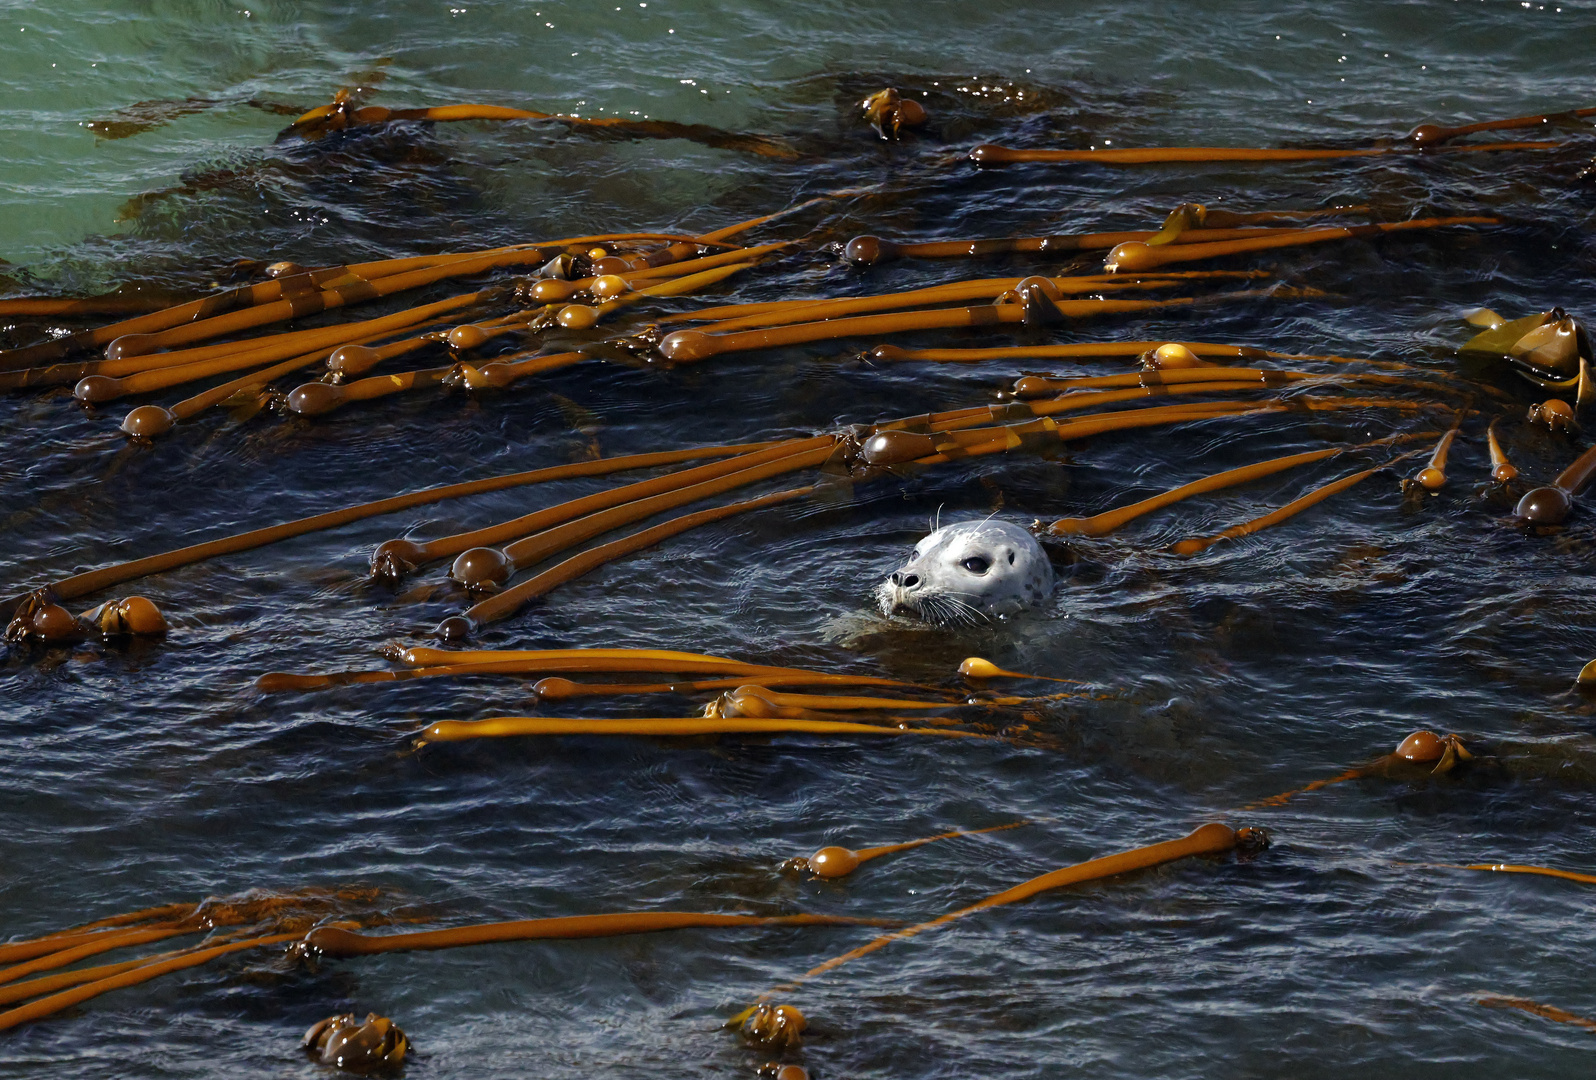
(158,773)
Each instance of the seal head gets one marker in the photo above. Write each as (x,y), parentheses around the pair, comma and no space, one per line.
(970,573)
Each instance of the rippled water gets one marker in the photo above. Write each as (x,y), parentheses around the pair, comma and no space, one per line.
(157,773)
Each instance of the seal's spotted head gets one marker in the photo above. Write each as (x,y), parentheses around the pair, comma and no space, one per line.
(968,573)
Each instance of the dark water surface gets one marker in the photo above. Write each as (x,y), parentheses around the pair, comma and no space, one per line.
(157,773)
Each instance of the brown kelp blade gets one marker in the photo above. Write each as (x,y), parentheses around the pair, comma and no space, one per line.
(1108,521)
(1197,544)
(1433,134)
(105,577)
(1135,257)
(869,250)
(426,662)
(691,346)
(1536,1008)
(54,1003)
(507,602)
(333,941)
(1543,871)
(835,862)
(395,558)
(11,993)
(952,293)
(500,727)
(556,688)
(92,946)
(1210,839)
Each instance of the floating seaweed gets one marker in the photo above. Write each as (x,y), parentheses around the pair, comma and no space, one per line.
(538,306)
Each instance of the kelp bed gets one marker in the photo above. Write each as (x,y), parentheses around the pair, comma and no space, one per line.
(1006,349)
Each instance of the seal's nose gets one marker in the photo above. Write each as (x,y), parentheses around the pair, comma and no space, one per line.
(905,581)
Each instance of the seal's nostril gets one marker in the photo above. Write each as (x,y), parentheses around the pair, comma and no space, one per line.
(897,578)
(909,580)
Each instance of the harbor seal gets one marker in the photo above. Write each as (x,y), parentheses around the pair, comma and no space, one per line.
(969,573)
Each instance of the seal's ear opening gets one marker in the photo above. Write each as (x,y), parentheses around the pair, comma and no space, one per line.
(1011,556)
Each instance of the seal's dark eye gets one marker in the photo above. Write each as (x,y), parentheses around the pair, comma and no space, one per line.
(975,564)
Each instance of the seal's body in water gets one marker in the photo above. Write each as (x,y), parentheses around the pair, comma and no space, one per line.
(969,573)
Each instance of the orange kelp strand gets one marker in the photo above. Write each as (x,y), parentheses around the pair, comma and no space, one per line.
(147,421)
(1544,871)
(1086,399)
(1110,348)
(1065,352)
(1076,283)
(728,231)
(692,267)
(1136,257)
(99,378)
(47,1006)
(1210,839)
(660,727)
(1290,510)
(151,914)
(332,941)
(49,984)
(94,580)
(974,667)
(506,603)
(1421,747)
(502,371)
(835,862)
(953,293)
(647,659)
(689,346)
(1038,386)
(1432,477)
(556,688)
(583,317)
(1502,470)
(991,154)
(478,566)
(250,295)
(430,663)
(319,398)
(203,308)
(901,447)
(357,359)
(109,304)
(276,681)
(966,430)
(1108,521)
(841,702)
(869,250)
(100,944)
(1431,134)
(309,304)
(1549,1012)
(1284,797)
(18,951)
(395,558)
